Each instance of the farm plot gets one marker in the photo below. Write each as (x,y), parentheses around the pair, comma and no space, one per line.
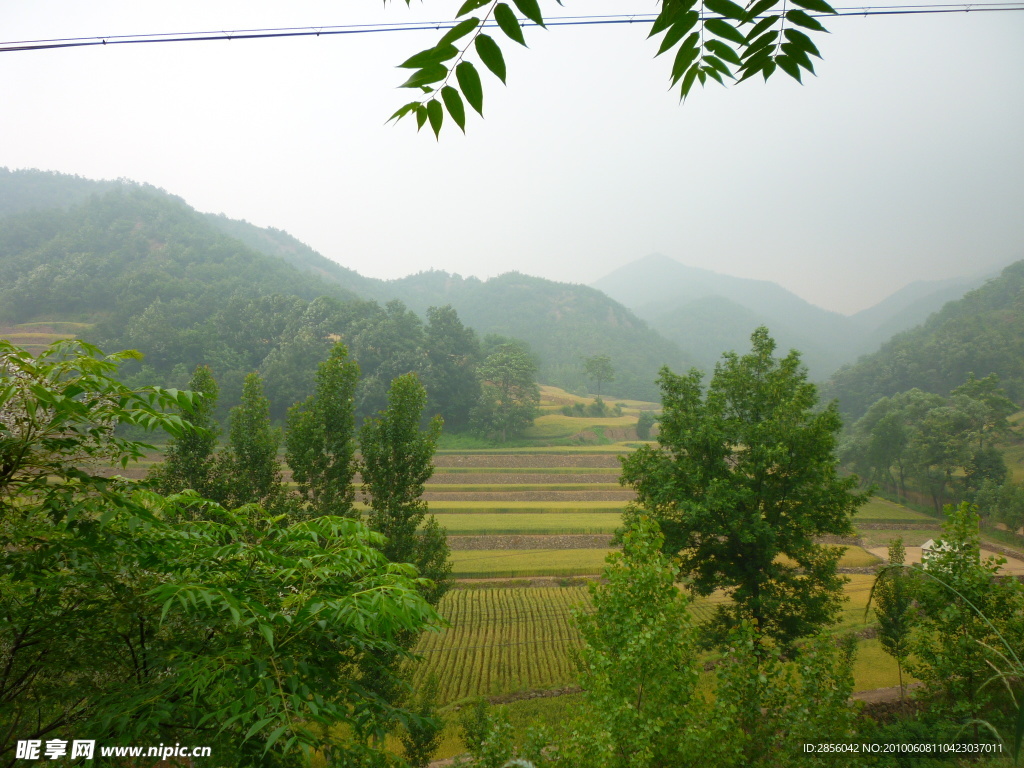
(880,510)
(529,523)
(502,641)
(516,563)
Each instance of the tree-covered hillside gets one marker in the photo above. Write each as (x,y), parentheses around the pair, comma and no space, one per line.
(563,323)
(982,333)
(153,273)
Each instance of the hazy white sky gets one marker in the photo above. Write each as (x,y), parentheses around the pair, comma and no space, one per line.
(903,160)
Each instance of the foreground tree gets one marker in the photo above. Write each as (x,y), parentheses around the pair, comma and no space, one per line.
(130,618)
(894,600)
(967,618)
(743,482)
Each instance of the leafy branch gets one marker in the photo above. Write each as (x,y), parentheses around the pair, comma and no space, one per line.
(737,42)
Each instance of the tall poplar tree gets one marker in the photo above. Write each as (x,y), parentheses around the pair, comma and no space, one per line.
(397,460)
(249,466)
(189,460)
(320,444)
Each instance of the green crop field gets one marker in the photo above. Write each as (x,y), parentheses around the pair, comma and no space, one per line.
(507,640)
(517,563)
(526,523)
(501,641)
(514,488)
(530,470)
(536,507)
(522,563)
(878,510)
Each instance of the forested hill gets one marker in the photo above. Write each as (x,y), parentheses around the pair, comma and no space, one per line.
(982,333)
(146,271)
(123,252)
(563,323)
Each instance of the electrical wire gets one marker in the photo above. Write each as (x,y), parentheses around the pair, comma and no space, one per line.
(355,29)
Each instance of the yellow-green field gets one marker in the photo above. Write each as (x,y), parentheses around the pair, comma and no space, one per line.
(521,563)
(514,487)
(502,641)
(528,523)
(879,510)
(536,507)
(911,538)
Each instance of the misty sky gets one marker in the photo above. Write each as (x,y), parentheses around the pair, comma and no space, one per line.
(903,160)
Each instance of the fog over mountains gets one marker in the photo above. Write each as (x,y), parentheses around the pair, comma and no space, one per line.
(706,313)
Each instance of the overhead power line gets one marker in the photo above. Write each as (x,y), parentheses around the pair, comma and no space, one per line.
(357,29)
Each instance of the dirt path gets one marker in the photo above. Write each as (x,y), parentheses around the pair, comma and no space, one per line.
(1014,566)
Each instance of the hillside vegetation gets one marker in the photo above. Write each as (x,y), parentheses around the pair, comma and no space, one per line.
(982,333)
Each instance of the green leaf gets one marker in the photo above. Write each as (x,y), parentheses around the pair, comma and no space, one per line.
(762,42)
(509,23)
(669,15)
(722,50)
(712,72)
(276,733)
(819,6)
(726,8)
(459,31)
(802,41)
(761,26)
(453,101)
(801,19)
(675,33)
(469,82)
(421,116)
(471,5)
(751,68)
(760,7)
(258,725)
(435,114)
(688,79)
(490,55)
(433,55)
(724,29)
(719,65)
(429,74)
(403,111)
(687,54)
(530,10)
(799,55)
(789,66)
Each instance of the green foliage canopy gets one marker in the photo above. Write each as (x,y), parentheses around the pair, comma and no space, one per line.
(135,618)
(743,481)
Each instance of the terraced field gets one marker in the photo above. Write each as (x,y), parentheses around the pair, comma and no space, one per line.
(502,641)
